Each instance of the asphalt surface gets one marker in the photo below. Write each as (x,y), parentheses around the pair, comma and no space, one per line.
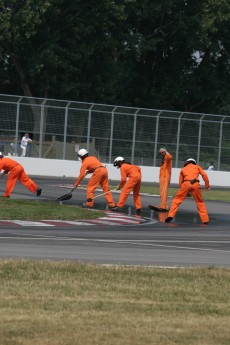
(184,243)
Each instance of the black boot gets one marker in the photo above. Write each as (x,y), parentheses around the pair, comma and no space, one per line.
(168,219)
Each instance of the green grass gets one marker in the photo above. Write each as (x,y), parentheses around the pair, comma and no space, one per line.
(42,210)
(44,303)
(213,194)
(63,303)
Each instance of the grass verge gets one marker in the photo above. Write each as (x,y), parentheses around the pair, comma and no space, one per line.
(213,194)
(42,210)
(44,303)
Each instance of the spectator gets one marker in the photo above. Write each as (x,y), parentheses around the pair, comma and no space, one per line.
(15,171)
(24,143)
(211,167)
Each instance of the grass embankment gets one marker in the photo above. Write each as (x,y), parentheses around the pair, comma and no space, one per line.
(44,303)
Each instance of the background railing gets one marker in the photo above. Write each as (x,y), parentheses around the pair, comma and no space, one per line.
(59,128)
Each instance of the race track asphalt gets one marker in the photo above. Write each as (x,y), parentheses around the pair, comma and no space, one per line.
(151,242)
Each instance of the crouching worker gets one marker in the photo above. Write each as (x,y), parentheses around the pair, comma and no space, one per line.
(133,173)
(189,184)
(15,171)
(91,165)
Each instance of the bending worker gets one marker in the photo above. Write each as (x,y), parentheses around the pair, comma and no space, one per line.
(91,165)
(16,172)
(133,183)
(164,177)
(189,184)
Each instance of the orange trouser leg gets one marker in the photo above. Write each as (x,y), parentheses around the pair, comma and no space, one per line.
(27,182)
(11,181)
(136,195)
(177,200)
(196,192)
(164,183)
(105,187)
(100,176)
(128,187)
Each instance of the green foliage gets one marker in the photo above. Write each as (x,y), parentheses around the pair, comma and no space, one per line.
(167,54)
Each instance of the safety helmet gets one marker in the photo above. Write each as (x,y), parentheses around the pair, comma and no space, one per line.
(1,155)
(190,160)
(82,153)
(117,161)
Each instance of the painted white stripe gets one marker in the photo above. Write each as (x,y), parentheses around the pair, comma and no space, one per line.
(96,222)
(29,223)
(67,222)
(121,220)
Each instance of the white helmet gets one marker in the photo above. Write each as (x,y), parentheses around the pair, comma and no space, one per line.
(190,160)
(82,153)
(117,160)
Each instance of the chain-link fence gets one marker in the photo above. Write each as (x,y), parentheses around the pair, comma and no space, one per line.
(59,128)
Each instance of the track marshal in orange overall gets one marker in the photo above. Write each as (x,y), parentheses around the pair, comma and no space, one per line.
(165,177)
(189,183)
(15,172)
(91,165)
(130,181)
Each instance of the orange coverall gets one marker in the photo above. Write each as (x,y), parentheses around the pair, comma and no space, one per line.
(15,172)
(92,165)
(133,183)
(164,179)
(188,173)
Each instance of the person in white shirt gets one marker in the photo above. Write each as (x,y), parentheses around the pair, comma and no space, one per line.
(24,142)
(211,167)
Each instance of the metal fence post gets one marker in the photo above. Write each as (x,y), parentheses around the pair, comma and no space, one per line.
(17,126)
(220,142)
(89,126)
(41,128)
(65,130)
(156,140)
(111,135)
(178,140)
(134,134)
(199,138)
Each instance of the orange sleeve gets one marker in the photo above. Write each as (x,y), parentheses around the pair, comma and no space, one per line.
(123,176)
(204,177)
(181,178)
(82,174)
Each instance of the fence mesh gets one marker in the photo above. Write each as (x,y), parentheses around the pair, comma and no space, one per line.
(60,128)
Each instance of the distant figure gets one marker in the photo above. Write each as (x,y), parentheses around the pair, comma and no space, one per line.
(15,172)
(24,142)
(211,167)
(165,176)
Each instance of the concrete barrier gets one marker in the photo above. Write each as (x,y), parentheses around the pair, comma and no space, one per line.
(65,168)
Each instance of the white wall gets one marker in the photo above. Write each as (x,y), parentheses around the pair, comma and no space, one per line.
(60,168)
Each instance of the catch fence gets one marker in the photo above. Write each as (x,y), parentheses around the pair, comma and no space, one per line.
(60,128)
